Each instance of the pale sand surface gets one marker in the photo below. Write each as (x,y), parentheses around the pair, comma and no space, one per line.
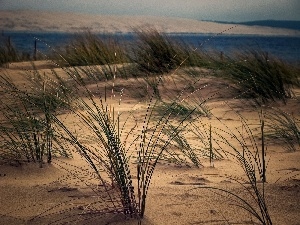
(28,191)
(71,22)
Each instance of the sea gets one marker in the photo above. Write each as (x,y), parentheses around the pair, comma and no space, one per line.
(286,48)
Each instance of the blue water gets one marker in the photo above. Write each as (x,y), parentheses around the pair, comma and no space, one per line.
(285,48)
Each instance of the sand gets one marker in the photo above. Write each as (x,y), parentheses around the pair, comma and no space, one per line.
(71,22)
(178,194)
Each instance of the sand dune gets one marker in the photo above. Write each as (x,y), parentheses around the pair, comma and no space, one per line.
(72,22)
(55,195)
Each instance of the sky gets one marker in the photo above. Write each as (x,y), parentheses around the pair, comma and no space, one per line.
(216,10)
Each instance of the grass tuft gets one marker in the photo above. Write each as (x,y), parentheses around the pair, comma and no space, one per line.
(262,77)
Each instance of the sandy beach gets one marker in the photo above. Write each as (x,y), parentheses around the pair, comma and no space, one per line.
(71,22)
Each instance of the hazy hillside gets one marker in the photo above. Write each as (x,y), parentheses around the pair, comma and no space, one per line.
(287,24)
(70,22)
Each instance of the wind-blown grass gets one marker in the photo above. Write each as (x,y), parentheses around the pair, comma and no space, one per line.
(165,130)
(156,53)
(27,130)
(251,159)
(262,77)
(27,137)
(109,157)
(88,49)
(285,127)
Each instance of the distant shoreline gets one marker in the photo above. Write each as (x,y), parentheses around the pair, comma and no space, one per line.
(43,21)
(4,32)
(286,24)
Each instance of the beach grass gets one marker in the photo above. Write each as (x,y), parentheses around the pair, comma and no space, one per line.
(261,77)
(283,126)
(27,129)
(33,128)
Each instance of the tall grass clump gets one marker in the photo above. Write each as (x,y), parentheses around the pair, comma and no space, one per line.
(30,138)
(262,77)
(109,154)
(155,53)
(285,127)
(27,130)
(108,159)
(88,49)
